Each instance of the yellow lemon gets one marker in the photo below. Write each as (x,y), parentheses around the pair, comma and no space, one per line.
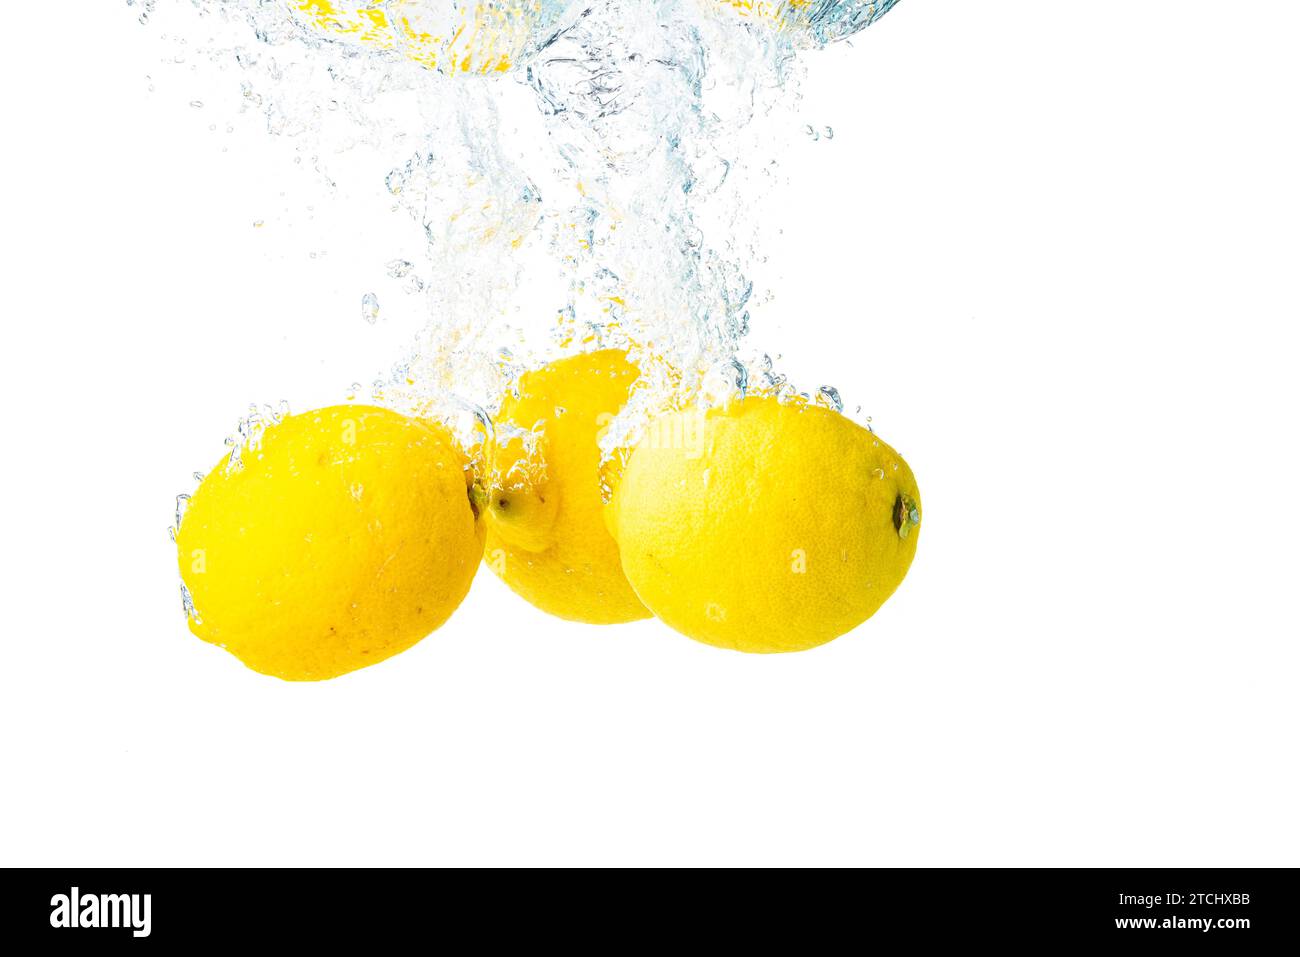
(764,526)
(547,538)
(343,537)
(480,36)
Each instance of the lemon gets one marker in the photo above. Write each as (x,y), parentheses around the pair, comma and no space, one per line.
(481,36)
(546,537)
(343,537)
(764,526)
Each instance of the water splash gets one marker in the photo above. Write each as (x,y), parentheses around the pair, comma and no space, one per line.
(247,437)
(582,175)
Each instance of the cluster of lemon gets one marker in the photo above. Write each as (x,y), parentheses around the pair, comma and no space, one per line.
(349,533)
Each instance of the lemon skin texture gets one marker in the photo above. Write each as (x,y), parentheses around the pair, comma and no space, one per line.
(547,537)
(762,526)
(343,538)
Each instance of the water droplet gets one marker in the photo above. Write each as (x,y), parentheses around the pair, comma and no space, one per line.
(187,605)
(197,104)
(742,374)
(370,308)
(829,397)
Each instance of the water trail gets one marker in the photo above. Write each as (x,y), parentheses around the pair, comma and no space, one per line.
(583,174)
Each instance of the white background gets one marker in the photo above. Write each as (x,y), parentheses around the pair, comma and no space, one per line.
(1052,249)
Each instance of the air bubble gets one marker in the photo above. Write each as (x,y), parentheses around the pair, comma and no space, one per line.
(370,308)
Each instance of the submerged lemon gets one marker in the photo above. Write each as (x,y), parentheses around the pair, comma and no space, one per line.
(764,526)
(345,536)
(547,538)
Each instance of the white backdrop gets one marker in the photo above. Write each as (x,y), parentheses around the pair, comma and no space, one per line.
(1052,251)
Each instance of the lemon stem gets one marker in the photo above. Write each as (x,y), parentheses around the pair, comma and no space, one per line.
(478,498)
(906,515)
